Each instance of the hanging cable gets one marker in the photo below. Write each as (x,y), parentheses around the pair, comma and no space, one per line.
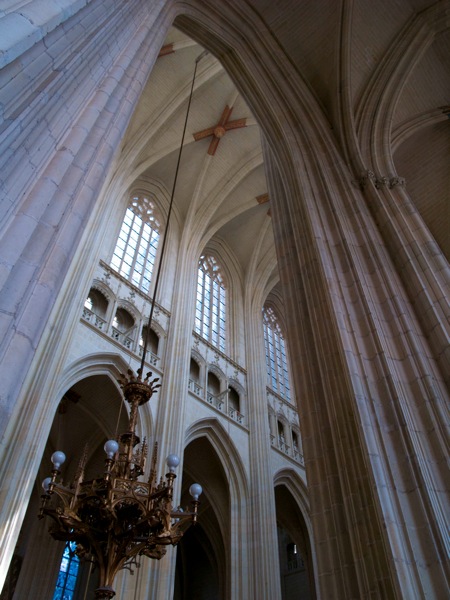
(158,273)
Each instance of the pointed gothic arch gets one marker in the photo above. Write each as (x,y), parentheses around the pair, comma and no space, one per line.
(299,227)
(211,434)
(293,516)
(215,432)
(109,365)
(90,412)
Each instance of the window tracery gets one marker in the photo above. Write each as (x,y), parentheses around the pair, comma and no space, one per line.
(211,302)
(135,251)
(276,358)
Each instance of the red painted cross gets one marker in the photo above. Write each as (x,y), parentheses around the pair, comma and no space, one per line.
(219,130)
(165,50)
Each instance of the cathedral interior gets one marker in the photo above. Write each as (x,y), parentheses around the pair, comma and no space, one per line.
(270,180)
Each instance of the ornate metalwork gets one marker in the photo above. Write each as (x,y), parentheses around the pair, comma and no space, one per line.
(116,518)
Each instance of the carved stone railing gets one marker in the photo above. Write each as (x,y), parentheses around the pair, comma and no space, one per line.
(151,358)
(298,456)
(122,338)
(234,414)
(219,401)
(94,319)
(125,340)
(279,443)
(284,410)
(195,387)
(283,446)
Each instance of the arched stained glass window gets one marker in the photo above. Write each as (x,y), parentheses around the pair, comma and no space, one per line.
(211,302)
(68,572)
(276,358)
(135,251)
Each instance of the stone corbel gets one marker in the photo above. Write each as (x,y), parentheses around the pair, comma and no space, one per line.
(394,181)
(378,181)
(364,179)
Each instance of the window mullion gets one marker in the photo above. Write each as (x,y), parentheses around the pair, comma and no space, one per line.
(136,253)
(212,293)
(126,242)
(276,358)
(140,243)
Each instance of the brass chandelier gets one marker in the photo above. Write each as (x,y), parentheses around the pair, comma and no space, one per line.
(116,518)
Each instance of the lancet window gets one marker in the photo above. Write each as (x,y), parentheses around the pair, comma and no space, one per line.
(135,251)
(276,358)
(68,572)
(211,302)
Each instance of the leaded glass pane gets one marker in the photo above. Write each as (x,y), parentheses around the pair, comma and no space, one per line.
(210,303)
(121,244)
(135,252)
(276,359)
(68,572)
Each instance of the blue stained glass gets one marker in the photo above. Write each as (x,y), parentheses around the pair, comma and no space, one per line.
(68,572)
(64,564)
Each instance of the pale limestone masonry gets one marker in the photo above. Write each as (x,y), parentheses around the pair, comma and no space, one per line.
(358,256)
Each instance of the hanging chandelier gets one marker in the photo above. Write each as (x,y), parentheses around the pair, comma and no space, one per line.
(116,518)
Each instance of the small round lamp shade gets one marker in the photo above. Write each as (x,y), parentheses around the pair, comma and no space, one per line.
(58,458)
(46,483)
(111,448)
(172,462)
(195,490)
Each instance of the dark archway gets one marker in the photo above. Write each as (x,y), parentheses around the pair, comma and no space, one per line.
(196,575)
(297,581)
(88,414)
(201,569)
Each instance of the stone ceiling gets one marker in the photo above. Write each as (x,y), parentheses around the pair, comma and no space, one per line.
(222,175)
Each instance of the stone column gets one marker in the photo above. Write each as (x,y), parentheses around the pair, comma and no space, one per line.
(263,541)
(423,268)
(70,139)
(42,556)
(170,419)
(66,101)
(368,399)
